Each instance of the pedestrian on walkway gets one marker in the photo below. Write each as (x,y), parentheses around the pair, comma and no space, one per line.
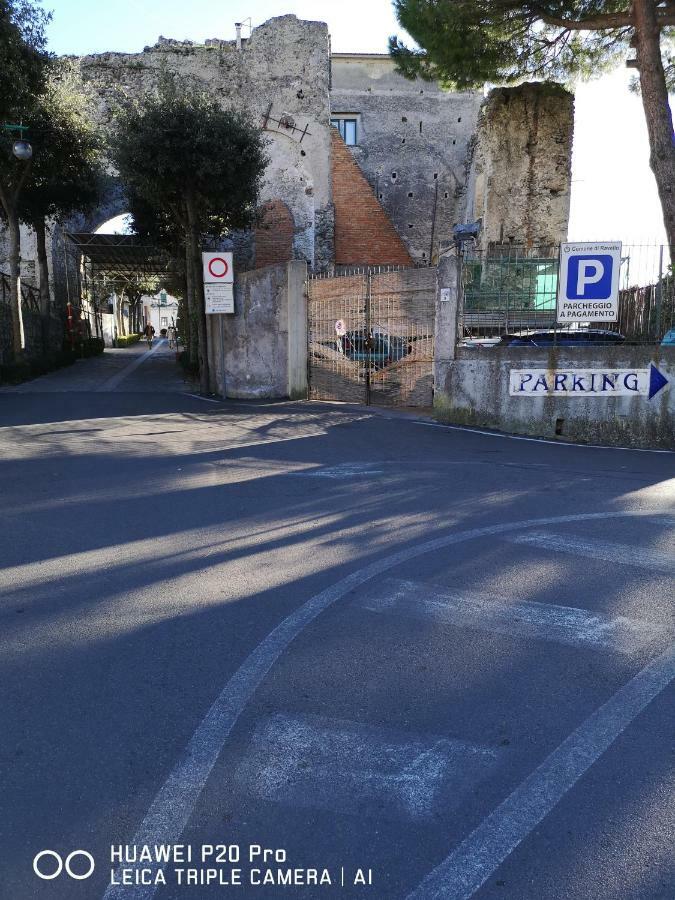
(149,334)
(172,336)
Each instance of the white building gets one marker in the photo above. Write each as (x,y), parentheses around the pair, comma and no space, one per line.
(161,310)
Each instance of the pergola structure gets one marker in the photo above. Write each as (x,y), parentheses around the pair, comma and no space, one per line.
(116,263)
(119,257)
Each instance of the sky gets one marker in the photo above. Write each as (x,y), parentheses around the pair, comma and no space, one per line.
(613,191)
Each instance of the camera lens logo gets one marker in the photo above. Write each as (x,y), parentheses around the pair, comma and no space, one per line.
(48,865)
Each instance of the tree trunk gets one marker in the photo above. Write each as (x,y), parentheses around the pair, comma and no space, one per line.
(43,275)
(198,293)
(18,340)
(191,321)
(657,108)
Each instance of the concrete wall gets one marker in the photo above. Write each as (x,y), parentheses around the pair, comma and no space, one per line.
(520,168)
(285,63)
(473,389)
(413,139)
(261,350)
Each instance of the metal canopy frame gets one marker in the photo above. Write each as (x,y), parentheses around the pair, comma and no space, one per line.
(119,257)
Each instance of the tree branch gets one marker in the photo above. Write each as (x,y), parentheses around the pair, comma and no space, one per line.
(604,21)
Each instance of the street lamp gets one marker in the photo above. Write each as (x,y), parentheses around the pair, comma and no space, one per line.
(22,150)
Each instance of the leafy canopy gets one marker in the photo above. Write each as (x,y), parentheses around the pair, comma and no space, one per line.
(66,164)
(23,56)
(469,42)
(178,147)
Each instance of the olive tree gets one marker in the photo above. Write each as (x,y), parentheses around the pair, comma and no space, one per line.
(23,59)
(187,158)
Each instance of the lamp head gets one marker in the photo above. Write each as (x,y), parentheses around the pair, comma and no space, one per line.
(22,150)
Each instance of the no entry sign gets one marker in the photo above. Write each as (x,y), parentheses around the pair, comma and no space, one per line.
(218,268)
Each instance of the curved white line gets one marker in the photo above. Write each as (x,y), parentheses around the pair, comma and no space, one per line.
(173,805)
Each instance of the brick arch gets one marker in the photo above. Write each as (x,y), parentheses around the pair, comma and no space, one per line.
(274,234)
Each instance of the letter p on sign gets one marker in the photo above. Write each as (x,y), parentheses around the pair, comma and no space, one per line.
(589,277)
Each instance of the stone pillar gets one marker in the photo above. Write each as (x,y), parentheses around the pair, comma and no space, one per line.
(297,329)
(445,334)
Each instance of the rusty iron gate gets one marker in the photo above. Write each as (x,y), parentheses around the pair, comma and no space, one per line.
(371,337)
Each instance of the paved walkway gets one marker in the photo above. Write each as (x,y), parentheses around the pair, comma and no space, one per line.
(132,369)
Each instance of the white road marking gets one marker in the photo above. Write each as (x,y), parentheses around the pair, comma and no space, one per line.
(469,866)
(174,803)
(534,440)
(625,554)
(343,470)
(205,399)
(485,612)
(317,762)
(112,382)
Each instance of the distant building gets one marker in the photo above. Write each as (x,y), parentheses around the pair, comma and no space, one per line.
(160,311)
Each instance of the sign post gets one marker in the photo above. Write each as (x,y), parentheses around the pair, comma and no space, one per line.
(588,282)
(218,275)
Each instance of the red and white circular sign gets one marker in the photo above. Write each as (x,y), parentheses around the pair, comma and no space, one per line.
(218,267)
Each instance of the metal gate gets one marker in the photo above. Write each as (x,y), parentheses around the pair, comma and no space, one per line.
(371,337)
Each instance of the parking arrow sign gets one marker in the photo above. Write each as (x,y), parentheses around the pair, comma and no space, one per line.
(657,380)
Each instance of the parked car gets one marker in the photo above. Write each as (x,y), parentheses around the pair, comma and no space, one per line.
(564,337)
(669,338)
(384,348)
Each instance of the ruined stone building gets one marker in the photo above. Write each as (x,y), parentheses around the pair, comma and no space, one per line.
(365,166)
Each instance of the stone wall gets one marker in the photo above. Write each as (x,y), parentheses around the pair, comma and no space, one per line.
(412,144)
(281,74)
(520,166)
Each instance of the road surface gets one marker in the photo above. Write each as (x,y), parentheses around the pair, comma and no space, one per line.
(343,643)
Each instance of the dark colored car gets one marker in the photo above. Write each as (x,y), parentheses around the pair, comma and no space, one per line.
(384,349)
(564,337)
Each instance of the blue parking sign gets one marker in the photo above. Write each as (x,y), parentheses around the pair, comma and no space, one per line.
(588,285)
(589,277)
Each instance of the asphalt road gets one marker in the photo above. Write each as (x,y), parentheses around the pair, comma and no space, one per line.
(436,661)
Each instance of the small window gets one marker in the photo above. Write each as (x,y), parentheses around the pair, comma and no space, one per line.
(347,129)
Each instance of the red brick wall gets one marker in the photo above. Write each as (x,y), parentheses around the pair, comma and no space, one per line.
(364,234)
(274,235)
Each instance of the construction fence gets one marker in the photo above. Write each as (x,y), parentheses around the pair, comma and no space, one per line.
(511,291)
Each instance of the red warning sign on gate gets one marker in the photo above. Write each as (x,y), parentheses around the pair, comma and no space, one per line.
(217,268)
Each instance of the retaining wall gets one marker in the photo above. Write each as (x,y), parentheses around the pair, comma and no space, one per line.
(473,389)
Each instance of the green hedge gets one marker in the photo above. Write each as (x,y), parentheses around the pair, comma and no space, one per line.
(125,340)
(15,373)
(91,347)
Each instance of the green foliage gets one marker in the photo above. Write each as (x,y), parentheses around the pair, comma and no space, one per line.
(23,56)
(178,147)
(15,373)
(469,42)
(190,367)
(66,164)
(126,340)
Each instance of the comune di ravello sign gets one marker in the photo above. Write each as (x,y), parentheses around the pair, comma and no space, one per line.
(588,282)
(586,382)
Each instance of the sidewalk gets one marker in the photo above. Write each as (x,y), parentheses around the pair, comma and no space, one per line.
(132,369)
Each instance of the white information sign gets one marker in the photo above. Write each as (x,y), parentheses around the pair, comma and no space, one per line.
(588,283)
(218,268)
(586,382)
(218,299)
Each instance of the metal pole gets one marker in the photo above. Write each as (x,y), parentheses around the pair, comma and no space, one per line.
(368,338)
(659,295)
